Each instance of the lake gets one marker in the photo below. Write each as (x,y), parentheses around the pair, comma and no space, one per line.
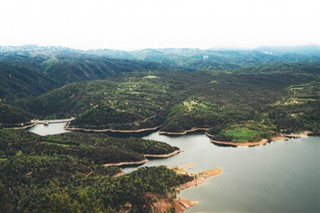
(281,176)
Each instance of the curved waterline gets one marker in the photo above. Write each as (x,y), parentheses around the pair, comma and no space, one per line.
(277,177)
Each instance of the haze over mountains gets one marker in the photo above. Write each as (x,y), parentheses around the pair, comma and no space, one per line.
(143,86)
(239,97)
(33,70)
(89,88)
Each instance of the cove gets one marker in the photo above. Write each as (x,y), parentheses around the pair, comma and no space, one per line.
(282,176)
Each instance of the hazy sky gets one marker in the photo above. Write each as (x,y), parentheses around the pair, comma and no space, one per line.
(137,24)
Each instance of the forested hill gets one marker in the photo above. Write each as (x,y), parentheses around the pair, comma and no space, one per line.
(240,96)
(179,101)
(201,59)
(33,70)
(64,173)
(177,89)
(24,74)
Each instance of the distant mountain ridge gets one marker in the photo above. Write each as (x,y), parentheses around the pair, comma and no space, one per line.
(33,70)
(217,59)
(308,50)
(168,55)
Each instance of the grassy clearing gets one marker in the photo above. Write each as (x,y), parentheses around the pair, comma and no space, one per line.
(248,131)
(192,105)
(243,134)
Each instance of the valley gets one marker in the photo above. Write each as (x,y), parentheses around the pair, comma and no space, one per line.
(140,112)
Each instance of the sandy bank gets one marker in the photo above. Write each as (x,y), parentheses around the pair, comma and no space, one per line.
(209,135)
(111,130)
(279,137)
(282,137)
(118,174)
(182,133)
(127,163)
(180,204)
(163,155)
(182,169)
(162,204)
(199,178)
(303,134)
(231,143)
(145,160)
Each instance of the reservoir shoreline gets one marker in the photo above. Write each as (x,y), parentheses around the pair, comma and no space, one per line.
(163,155)
(132,163)
(111,130)
(162,204)
(265,160)
(264,141)
(128,163)
(193,129)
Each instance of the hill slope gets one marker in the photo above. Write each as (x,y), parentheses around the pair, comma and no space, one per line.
(32,73)
(32,70)
(176,101)
(64,173)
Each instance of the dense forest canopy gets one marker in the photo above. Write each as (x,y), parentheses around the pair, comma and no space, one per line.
(99,149)
(27,71)
(236,95)
(177,89)
(180,101)
(64,173)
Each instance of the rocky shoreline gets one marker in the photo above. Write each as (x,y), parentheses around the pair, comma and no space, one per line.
(111,130)
(235,144)
(163,155)
(133,163)
(163,204)
(279,137)
(127,163)
(193,129)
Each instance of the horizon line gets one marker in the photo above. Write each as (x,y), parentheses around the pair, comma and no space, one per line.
(159,48)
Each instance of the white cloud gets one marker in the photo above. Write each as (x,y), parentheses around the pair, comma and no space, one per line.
(136,24)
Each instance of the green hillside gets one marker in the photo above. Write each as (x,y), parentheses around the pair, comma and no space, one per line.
(63,173)
(176,101)
(21,76)
(236,95)
(11,116)
(27,74)
(27,71)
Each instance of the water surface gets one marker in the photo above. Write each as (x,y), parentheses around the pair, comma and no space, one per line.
(51,129)
(281,176)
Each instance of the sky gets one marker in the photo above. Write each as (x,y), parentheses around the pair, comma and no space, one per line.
(138,24)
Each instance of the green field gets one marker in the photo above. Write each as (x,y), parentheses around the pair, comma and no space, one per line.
(249,131)
(243,134)
(239,96)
